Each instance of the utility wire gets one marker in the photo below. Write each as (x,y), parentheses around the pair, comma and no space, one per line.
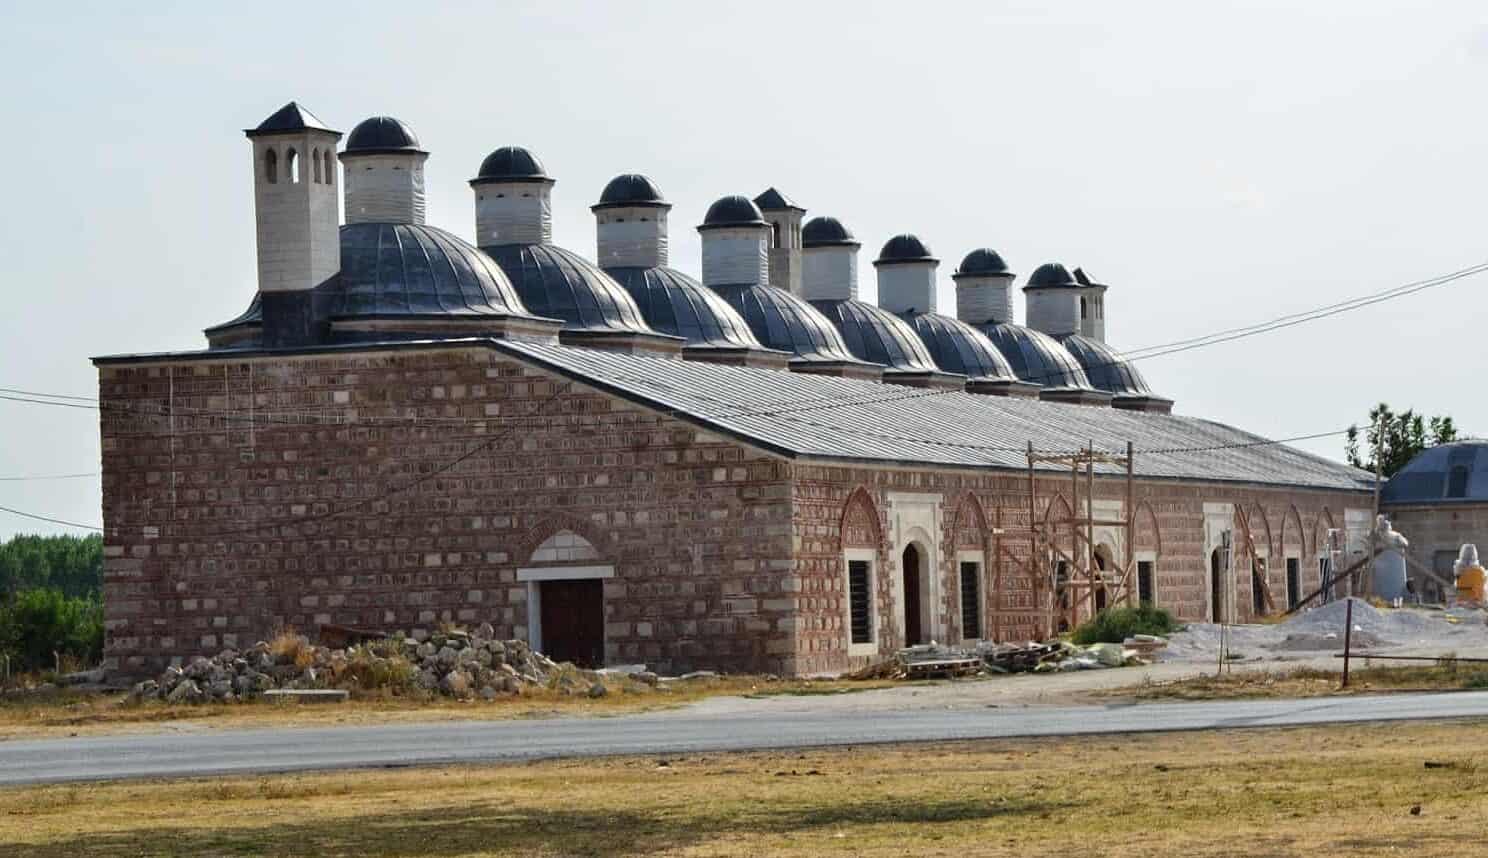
(48,518)
(39,477)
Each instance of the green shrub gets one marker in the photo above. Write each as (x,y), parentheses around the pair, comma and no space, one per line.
(34,624)
(1114,625)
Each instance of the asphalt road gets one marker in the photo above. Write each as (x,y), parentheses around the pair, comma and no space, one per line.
(217,752)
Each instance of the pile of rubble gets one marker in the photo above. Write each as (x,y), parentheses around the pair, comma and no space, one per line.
(934,660)
(456,664)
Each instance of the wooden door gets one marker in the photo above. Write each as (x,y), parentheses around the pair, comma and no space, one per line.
(573,621)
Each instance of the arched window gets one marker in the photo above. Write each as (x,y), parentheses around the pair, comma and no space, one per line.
(1457,482)
(330,168)
(315,166)
(271,166)
(1083,311)
(292,166)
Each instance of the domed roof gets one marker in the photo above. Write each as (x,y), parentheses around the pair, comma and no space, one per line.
(673,303)
(781,321)
(875,335)
(630,189)
(407,272)
(982,262)
(1105,369)
(1037,357)
(1448,473)
(1050,275)
(827,232)
(561,284)
(960,348)
(380,135)
(904,248)
(733,210)
(511,164)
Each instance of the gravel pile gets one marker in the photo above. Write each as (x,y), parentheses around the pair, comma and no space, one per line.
(455,664)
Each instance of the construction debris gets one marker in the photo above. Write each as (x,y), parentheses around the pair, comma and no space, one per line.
(930,661)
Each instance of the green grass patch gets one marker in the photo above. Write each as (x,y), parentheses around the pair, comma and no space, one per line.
(1114,625)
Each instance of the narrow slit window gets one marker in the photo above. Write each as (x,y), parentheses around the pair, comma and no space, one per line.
(1145,584)
(859,600)
(292,166)
(971,600)
(271,166)
(315,166)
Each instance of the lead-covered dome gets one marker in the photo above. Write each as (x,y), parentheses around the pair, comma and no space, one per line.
(1051,275)
(827,232)
(410,279)
(511,164)
(982,262)
(1105,369)
(735,210)
(960,348)
(381,135)
(1038,358)
(784,322)
(875,335)
(904,248)
(1446,474)
(673,303)
(561,284)
(630,189)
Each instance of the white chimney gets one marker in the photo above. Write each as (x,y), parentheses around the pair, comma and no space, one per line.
(297,218)
(1092,307)
(829,261)
(906,276)
(784,217)
(1052,299)
(983,288)
(384,173)
(736,243)
(631,223)
(513,199)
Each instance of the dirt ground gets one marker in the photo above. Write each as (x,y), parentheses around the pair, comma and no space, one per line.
(1366,790)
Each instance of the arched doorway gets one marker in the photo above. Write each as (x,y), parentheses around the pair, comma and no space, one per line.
(1102,564)
(1216,589)
(913,580)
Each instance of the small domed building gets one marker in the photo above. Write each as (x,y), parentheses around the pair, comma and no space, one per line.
(1439,501)
(618,463)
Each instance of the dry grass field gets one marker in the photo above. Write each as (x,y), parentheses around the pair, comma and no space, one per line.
(1311,682)
(1387,789)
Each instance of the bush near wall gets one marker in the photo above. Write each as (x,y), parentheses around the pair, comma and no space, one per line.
(1115,625)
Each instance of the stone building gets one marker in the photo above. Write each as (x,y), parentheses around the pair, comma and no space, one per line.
(621,463)
(1439,501)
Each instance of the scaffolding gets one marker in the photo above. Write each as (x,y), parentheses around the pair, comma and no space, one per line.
(1075,584)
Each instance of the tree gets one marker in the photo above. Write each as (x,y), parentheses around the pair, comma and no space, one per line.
(71,564)
(1397,437)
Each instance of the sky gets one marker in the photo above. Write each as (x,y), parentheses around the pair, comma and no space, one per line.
(1216,163)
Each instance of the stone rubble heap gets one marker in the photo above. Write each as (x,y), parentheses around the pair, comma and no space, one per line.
(455,664)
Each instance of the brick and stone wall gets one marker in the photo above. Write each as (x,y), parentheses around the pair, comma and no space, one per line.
(401,488)
(223,479)
(1170,526)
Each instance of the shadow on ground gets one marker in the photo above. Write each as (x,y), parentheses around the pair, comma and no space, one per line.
(501,827)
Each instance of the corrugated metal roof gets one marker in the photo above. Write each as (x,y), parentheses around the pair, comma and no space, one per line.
(805,415)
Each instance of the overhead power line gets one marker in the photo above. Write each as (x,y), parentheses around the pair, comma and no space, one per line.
(27,478)
(47,518)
